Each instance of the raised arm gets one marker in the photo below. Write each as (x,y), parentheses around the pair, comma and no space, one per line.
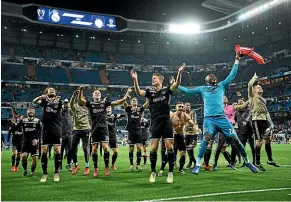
(226,82)
(136,86)
(81,100)
(241,107)
(250,85)
(72,100)
(175,85)
(146,104)
(120,101)
(191,91)
(38,99)
(125,105)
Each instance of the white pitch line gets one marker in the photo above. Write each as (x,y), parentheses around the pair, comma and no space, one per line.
(218,194)
(286,165)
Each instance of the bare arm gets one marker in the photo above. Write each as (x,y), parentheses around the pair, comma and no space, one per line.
(136,86)
(120,101)
(125,105)
(176,84)
(81,100)
(240,107)
(146,104)
(171,114)
(38,99)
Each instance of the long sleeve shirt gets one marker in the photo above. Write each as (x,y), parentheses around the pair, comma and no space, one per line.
(213,95)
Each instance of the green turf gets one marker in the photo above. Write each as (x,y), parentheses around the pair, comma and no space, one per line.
(122,185)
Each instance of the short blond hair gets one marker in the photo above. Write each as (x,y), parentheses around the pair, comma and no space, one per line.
(159,75)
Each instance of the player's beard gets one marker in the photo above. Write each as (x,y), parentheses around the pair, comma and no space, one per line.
(51,95)
(30,115)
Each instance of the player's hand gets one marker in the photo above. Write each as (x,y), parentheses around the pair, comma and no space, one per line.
(129,90)
(20,118)
(244,123)
(76,92)
(34,142)
(238,94)
(256,76)
(127,96)
(43,97)
(238,56)
(133,74)
(182,68)
(81,88)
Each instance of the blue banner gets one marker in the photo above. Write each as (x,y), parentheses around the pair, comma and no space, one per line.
(76,19)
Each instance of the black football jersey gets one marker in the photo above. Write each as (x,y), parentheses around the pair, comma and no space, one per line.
(133,118)
(144,124)
(159,102)
(52,114)
(31,128)
(111,122)
(15,130)
(98,113)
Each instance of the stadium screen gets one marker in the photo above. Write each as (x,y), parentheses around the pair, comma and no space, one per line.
(75,19)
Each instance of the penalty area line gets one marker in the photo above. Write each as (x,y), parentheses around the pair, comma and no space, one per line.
(219,194)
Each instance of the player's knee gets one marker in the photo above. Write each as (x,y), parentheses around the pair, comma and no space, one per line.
(268,140)
(56,150)
(34,160)
(105,148)
(94,150)
(139,147)
(259,143)
(223,149)
(24,156)
(182,153)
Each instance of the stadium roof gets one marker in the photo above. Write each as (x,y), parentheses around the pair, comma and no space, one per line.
(151,10)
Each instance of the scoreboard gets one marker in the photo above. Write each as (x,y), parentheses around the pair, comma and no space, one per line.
(75,19)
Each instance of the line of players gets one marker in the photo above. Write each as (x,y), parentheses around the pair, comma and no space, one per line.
(158,98)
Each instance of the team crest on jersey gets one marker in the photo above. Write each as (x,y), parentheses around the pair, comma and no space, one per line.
(163,92)
(34,125)
(102,105)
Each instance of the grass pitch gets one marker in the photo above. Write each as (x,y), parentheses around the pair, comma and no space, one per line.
(123,185)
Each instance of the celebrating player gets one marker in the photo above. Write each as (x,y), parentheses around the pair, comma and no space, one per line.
(67,127)
(161,125)
(179,120)
(223,140)
(111,122)
(262,122)
(191,135)
(134,113)
(97,110)
(245,132)
(214,116)
(17,134)
(31,127)
(52,129)
(81,130)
